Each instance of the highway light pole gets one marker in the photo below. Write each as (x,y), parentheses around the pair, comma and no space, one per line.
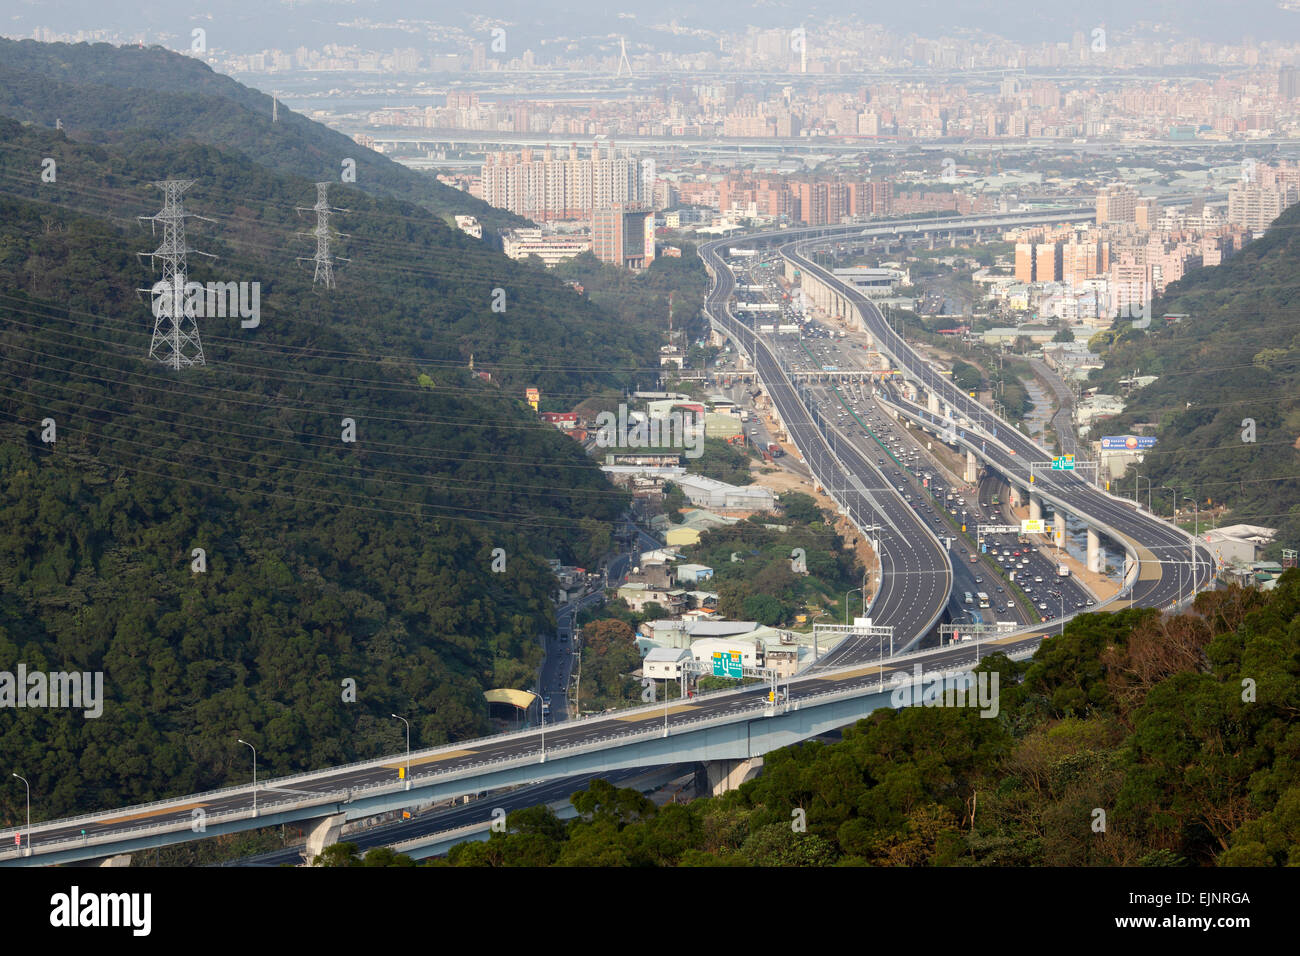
(407,774)
(29,813)
(846,604)
(1173,501)
(254,749)
(665,705)
(1136,487)
(1196,534)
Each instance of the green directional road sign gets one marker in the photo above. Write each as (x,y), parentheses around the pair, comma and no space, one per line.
(728,664)
(1063,463)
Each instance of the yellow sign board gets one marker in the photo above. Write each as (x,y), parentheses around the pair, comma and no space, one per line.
(1033,526)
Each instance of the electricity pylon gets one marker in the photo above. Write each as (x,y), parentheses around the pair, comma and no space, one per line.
(175,339)
(323,233)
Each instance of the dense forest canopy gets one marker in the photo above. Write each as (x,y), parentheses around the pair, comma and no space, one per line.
(1134,739)
(326,563)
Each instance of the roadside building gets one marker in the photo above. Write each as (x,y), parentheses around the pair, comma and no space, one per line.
(665,663)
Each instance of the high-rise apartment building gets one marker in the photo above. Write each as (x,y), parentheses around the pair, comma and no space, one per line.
(1082,260)
(1117,203)
(624,234)
(1024,262)
(1146,213)
(1253,205)
(558,184)
(1047,262)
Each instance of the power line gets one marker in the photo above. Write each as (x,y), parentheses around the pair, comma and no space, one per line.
(175,332)
(323,233)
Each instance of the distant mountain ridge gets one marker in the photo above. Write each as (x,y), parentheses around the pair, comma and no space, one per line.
(104,88)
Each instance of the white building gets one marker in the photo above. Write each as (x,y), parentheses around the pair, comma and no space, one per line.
(704,649)
(1239,543)
(550,248)
(710,493)
(665,663)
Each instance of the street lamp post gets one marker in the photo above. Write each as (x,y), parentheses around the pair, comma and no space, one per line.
(1173,501)
(29,813)
(1136,487)
(846,604)
(665,705)
(1196,534)
(407,774)
(254,749)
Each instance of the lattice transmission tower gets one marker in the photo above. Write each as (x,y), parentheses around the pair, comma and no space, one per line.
(175,339)
(323,232)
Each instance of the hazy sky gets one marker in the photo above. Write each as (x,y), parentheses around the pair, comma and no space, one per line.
(259,24)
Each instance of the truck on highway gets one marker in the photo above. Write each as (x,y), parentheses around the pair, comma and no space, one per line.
(1062,571)
(775,450)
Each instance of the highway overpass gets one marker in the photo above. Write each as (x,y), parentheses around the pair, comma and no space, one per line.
(727,731)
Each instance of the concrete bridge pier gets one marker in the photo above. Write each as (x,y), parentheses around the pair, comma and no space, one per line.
(934,403)
(972,468)
(1035,507)
(1013,496)
(719,776)
(1094,552)
(1060,529)
(324,832)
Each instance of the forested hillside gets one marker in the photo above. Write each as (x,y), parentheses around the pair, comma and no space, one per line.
(1236,356)
(1133,740)
(327,561)
(98,89)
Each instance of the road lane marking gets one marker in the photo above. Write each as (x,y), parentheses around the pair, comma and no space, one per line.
(658,714)
(434,758)
(151,813)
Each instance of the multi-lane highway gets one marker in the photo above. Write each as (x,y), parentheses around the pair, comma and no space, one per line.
(1161,548)
(916,577)
(327,789)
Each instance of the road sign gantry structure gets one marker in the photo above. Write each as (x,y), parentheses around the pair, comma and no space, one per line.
(1063,463)
(730,664)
